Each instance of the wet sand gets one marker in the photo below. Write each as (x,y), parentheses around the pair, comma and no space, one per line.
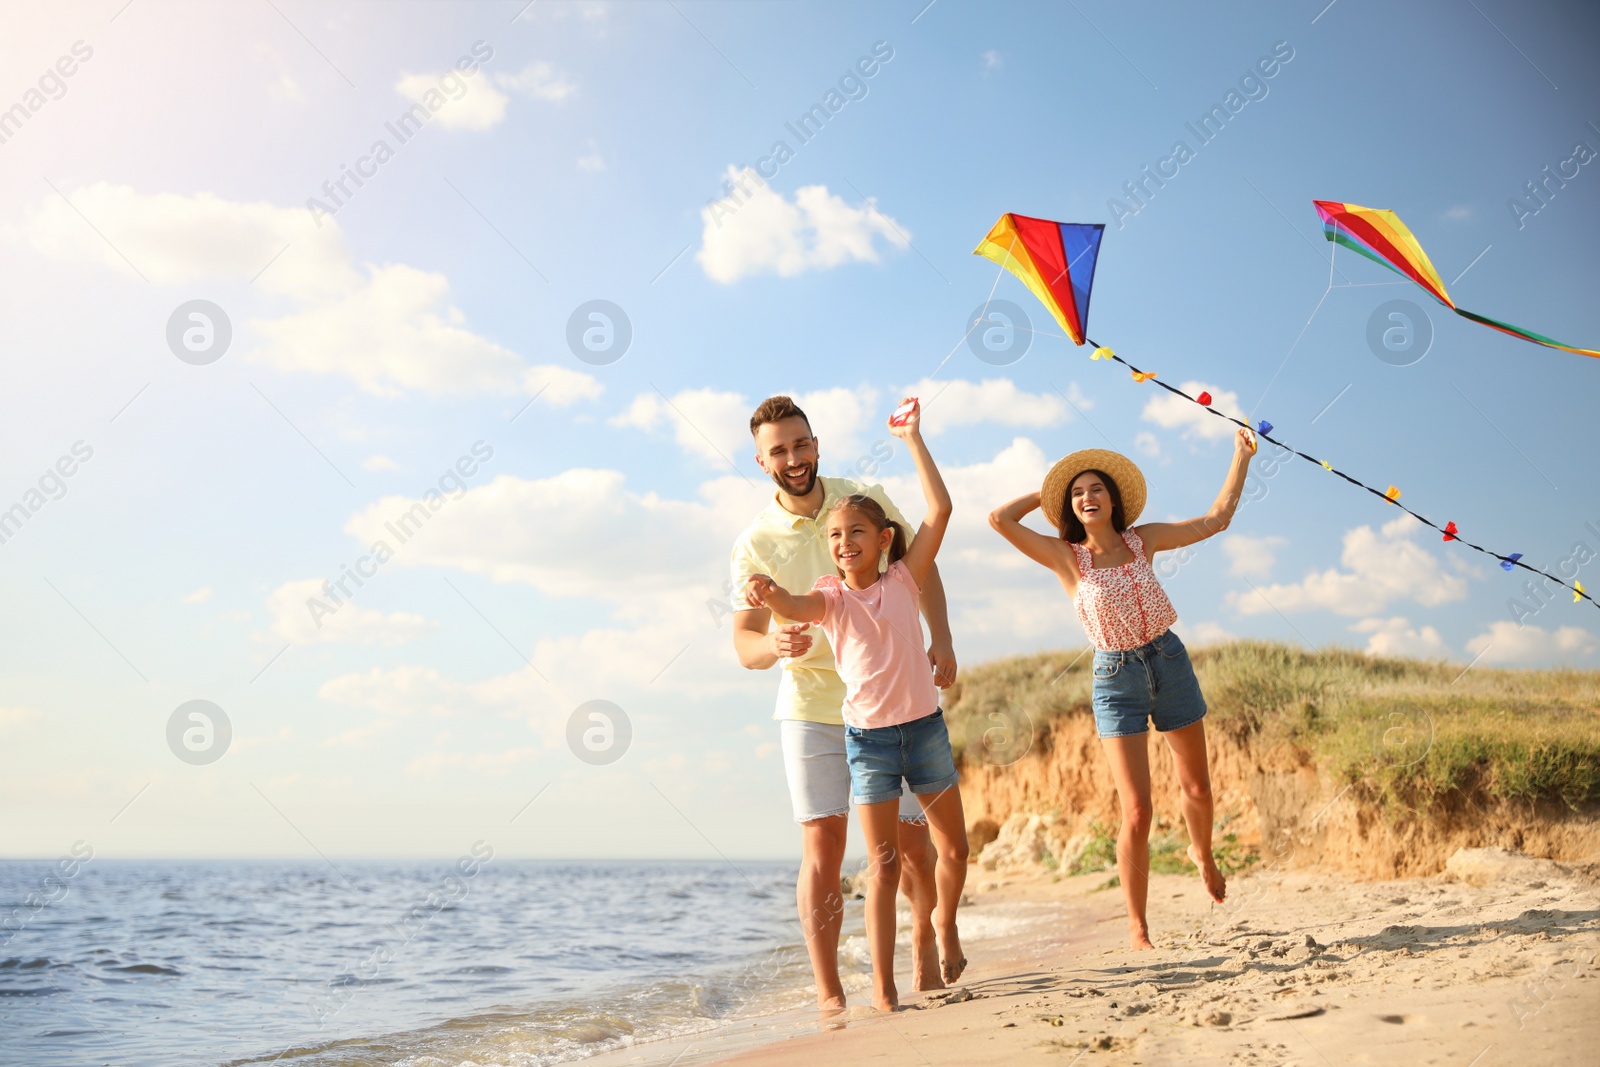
(1297,967)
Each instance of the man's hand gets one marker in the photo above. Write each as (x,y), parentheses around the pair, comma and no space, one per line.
(943,658)
(792,639)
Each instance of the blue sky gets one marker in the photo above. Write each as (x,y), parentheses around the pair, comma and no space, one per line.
(581,160)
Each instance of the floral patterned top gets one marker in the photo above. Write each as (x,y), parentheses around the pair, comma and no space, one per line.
(1122,607)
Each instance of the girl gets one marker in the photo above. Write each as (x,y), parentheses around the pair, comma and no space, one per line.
(894,727)
(1142,672)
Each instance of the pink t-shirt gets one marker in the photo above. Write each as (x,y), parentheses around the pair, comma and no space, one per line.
(877,646)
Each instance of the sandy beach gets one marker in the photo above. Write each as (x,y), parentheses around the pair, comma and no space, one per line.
(1427,892)
(1493,962)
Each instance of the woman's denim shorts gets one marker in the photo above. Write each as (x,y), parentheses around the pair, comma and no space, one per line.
(917,751)
(1151,683)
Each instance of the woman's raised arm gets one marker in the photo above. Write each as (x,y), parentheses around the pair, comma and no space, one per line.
(1161,536)
(1051,552)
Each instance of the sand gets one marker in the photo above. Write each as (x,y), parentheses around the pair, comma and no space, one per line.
(1298,967)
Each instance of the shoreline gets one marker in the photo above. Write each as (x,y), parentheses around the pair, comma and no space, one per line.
(1298,966)
(998,936)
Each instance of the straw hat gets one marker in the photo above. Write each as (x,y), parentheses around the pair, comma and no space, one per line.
(1123,471)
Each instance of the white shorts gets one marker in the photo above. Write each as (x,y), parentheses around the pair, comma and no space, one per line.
(819,775)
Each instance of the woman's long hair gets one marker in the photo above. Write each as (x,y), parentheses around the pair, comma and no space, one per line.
(879,519)
(1072,527)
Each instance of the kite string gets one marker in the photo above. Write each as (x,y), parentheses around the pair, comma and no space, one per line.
(982,317)
(1504,560)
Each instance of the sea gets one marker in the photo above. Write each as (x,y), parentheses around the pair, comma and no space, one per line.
(415,964)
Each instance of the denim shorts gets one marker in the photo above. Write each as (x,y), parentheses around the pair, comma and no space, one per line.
(1151,683)
(916,751)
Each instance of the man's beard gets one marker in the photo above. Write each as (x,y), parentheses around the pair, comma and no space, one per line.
(810,484)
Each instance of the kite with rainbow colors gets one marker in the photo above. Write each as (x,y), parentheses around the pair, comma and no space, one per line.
(1056,261)
(1378,234)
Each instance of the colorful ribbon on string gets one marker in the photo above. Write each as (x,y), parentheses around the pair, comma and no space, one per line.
(1391,495)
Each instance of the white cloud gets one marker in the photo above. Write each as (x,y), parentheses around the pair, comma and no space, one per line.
(992,60)
(1529,645)
(539,81)
(396,331)
(975,490)
(1014,619)
(379,463)
(1251,557)
(840,418)
(199,596)
(388,327)
(706,422)
(998,400)
(1385,565)
(1397,637)
(455,101)
(1147,444)
(579,533)
(679,648)
(182,240)
(762,232)
(293,619)
(1201,634)
(1173,412)
(559,385)
(679,651)
(360,736)
(715,425)
(657,562)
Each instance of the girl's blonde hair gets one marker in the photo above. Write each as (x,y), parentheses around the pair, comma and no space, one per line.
(879,519)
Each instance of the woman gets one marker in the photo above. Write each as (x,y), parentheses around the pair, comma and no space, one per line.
(1142,672)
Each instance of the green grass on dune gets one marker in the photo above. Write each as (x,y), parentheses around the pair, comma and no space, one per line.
(1408,733)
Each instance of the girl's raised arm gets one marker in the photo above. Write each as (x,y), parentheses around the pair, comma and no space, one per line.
(1161,536)
(919,557)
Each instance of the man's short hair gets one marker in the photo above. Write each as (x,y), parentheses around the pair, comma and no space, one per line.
(776,409)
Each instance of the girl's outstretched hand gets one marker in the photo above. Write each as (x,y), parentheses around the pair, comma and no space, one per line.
(756,590)
(1244,443)
(909,424)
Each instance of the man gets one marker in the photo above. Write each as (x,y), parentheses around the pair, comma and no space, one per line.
(788,542)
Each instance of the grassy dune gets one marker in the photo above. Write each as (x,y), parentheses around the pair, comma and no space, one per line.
(1405,732)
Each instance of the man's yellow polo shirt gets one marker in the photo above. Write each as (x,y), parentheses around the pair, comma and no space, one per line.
(793,551)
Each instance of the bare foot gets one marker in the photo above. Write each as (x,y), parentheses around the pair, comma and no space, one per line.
(924,960)
(1216,885)
(830,1005)
(886,999)
(1139,938)
(952,962)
